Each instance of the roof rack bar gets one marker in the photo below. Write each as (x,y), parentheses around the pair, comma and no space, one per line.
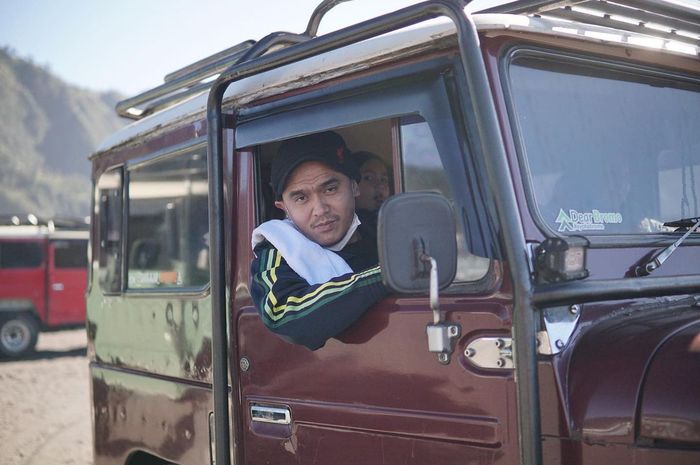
(530,6)
(480,107)
(157,104)
(186,81)
(260,47)
(271,40)
(674,16)
(568,13)
(315,21)
(666,8)
(128,108)
(197,65)
(678,24)
(663,9)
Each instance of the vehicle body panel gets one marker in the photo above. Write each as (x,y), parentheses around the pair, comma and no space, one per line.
(65,291)
(165,417)
(345,386)
(669,399)
(25,288)
(608,366)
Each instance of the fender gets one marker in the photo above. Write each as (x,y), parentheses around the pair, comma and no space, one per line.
(636,355)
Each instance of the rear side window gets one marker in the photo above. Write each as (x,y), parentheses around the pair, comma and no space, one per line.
(109,211)
(20,255)
(70,254)
(168,229)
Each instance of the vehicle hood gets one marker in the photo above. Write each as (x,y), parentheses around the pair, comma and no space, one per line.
(633,376)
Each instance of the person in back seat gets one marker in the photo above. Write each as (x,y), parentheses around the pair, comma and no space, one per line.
(374,181)
(315,272)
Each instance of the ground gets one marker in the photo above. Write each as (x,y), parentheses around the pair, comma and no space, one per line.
(45,404)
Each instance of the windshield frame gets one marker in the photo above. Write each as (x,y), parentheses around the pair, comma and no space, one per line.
(607,66)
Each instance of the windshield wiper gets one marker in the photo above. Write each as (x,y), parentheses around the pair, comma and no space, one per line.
(658,259)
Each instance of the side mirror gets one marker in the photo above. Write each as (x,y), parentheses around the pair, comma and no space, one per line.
(411,224)
(418,252)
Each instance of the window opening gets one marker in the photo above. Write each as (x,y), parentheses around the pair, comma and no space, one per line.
(70,254)
(168,226)
(109,212)
(21,255)
(423,170)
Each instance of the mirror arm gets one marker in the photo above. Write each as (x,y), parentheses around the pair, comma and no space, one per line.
(442,336)
(434,294)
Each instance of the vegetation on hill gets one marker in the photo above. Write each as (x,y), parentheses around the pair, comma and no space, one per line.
(48,129)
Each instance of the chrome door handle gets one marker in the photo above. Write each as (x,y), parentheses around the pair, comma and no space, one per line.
(57,286)
(265,414)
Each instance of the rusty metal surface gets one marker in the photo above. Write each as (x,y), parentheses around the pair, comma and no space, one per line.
(135,412)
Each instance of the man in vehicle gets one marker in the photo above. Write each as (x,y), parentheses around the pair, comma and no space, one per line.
(315,272)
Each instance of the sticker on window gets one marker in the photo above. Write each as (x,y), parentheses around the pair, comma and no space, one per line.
(151,278)
(594,220)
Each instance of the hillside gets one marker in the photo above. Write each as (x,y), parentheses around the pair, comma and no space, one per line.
(47,131)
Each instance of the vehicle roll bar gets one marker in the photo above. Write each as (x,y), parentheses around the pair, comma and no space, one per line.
(483,114)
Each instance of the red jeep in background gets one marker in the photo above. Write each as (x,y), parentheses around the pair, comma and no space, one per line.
(43,274)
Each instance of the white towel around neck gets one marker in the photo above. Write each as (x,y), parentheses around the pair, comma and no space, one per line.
(312,262)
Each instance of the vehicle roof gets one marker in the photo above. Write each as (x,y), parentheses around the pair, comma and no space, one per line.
(385,48)
(23,232)
(40,232)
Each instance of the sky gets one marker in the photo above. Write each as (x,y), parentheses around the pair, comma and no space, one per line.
(130,45)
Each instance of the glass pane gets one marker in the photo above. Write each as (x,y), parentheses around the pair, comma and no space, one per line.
(608,152)
(168,223)
(109,212)
(20,255)
(423,171)
(70,254)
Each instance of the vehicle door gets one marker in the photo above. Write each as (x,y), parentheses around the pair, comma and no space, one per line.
(375,394)
(67,278)
(22,275)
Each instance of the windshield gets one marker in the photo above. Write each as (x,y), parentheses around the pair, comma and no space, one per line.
(607,150)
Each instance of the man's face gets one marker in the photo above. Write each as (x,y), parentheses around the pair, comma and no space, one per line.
(320,201)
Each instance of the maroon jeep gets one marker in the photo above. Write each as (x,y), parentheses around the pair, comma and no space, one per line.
(541,247)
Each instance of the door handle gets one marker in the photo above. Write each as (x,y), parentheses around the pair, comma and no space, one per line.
(57,286)
(266,414)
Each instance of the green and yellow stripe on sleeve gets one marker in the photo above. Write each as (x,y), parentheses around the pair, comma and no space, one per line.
(294,305)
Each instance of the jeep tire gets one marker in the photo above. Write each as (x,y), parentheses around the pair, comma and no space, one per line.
(18,334)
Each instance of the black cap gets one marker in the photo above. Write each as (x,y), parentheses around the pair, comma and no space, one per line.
(325,147)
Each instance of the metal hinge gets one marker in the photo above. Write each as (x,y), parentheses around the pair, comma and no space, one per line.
(559,324)
(491,352)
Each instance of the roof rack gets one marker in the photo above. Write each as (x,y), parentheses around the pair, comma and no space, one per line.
(182,83)
(198,77)
(656,18)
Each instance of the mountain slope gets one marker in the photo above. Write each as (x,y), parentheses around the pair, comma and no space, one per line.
(47,131)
